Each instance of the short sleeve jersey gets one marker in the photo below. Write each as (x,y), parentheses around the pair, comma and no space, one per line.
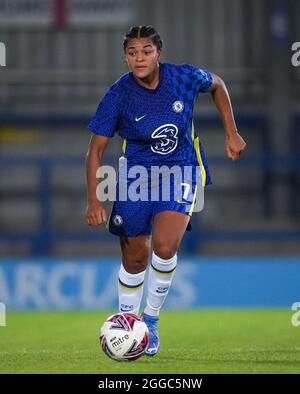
(156,124)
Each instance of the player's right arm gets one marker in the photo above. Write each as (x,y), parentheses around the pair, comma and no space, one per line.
(95,212)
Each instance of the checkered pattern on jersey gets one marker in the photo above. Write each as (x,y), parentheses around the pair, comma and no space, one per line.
(106,119)
(188,81)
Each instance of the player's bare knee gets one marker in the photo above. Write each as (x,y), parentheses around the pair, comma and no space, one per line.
(135,259)
(134,266)
(165,251)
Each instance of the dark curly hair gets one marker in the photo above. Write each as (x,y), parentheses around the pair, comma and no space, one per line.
(141,32)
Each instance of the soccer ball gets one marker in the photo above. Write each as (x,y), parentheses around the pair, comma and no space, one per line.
(124,336)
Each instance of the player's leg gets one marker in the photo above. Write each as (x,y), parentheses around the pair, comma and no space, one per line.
(131,221)
(135,258)
(168,230)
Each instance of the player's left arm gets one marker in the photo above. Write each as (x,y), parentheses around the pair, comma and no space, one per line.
(234,143)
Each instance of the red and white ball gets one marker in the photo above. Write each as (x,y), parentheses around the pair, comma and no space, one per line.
(124,336)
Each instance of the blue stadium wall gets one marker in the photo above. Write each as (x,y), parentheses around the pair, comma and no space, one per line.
(67,284)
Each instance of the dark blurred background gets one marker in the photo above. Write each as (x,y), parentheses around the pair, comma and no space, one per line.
(61,56)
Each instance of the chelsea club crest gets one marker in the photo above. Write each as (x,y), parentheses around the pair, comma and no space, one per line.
(178,106)
(117,220)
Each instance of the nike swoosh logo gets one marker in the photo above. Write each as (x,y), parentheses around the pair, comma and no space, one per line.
(138,119)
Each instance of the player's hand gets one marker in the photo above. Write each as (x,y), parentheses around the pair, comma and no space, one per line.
(234,145)
(95,214)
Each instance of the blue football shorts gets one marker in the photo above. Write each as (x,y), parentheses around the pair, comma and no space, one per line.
(144,199)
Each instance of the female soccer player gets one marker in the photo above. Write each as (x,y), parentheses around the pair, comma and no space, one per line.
(151,108)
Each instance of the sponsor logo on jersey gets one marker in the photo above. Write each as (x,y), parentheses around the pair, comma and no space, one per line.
(178,106)
(166,139)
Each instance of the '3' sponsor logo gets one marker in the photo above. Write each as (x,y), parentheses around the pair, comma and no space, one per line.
(165,139)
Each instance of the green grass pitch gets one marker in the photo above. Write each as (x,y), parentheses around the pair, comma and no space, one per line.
(196,341)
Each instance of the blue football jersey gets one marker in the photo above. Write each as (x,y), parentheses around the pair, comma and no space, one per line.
(156,124)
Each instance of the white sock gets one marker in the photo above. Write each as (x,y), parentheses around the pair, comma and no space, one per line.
(160,277)
(130,288)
